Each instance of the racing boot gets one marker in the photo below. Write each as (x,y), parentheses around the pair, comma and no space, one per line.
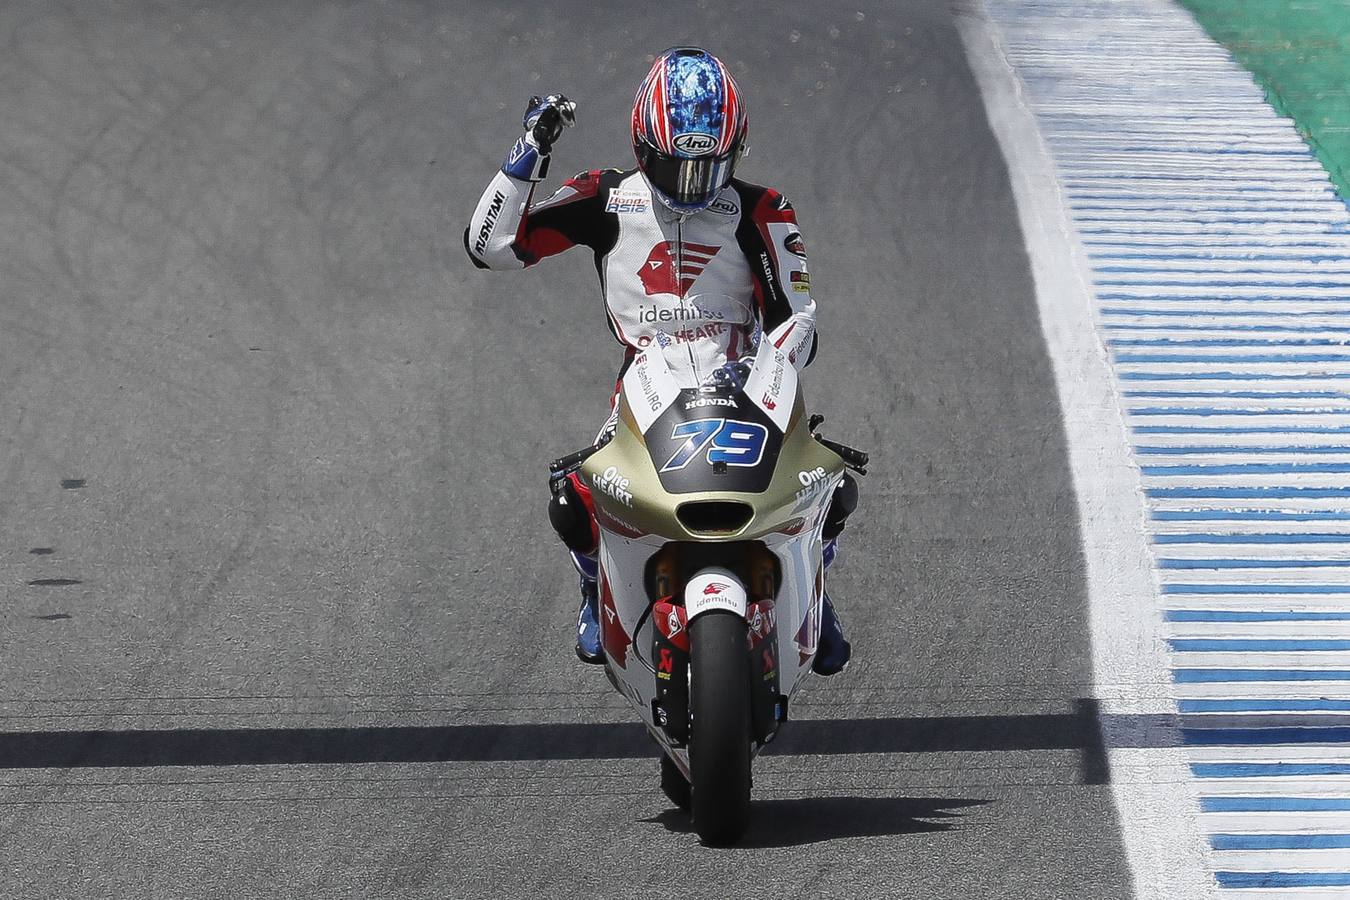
(588,624)
(833,652)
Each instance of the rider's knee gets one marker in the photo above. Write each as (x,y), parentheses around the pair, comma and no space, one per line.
(842,505)
(569,512)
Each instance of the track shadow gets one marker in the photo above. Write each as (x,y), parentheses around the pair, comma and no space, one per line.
(1078,730)
(812,820)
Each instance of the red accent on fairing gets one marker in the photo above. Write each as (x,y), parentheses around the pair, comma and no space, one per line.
(766,621)
(617,526)
(584,492)
(779,342)
(615,640)
(662,611)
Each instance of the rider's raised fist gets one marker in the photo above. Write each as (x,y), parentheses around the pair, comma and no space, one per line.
(546,117)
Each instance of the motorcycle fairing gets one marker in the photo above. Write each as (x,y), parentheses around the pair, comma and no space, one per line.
(638,516)
(651,386)
(714,440)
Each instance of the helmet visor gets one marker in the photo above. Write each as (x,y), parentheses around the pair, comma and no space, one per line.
(685,183)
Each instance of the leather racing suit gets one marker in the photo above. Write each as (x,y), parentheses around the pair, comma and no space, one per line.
(703,282)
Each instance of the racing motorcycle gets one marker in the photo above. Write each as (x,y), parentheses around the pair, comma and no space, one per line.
(711,498)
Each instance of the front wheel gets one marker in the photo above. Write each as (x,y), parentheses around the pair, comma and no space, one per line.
(719,728)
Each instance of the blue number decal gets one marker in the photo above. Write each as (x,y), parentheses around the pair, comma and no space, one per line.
(699,432)
(734,443)
(738,444)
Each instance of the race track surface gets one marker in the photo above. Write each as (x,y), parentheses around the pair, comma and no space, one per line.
(282,613)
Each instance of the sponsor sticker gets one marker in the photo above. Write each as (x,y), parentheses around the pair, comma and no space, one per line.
(793,244)
(801,282)
(621,201)
(695,143)
(724,207)
(812,476)
(644,378)
(813,481)
(613,484)
(691,312)
(711,401)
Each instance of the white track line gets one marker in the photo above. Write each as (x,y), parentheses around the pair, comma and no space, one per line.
(1159,812)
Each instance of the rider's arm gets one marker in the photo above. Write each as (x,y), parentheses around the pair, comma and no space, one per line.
(508,232)
(772,241)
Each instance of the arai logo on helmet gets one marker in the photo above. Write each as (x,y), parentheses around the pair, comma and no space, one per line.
(695,143)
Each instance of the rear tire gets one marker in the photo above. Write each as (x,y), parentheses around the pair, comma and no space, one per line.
(673,783)
(719,737)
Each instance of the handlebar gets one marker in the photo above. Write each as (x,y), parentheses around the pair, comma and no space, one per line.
(564,464)
(854,459)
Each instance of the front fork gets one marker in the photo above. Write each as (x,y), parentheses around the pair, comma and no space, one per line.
(670,653)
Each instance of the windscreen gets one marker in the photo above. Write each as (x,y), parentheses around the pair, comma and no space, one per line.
(714,439)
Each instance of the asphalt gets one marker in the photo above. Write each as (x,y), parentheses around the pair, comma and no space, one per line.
(280,611)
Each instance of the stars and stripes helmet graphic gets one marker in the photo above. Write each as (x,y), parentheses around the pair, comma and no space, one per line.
(689,127)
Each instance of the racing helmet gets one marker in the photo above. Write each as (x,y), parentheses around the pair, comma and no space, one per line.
(689,128)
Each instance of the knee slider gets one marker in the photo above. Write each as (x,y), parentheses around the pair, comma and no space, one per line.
(842,505)
(569,518)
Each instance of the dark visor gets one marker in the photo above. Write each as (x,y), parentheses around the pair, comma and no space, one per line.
(685,182)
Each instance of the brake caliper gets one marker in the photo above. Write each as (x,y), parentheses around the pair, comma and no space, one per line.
(670,653)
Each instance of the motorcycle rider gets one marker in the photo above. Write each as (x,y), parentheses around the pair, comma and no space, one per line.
(688,256)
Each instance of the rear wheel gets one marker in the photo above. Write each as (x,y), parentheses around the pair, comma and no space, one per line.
(719,736)
(673,783)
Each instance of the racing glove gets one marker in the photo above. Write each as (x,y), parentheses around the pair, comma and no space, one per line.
(544,120)
(731,375)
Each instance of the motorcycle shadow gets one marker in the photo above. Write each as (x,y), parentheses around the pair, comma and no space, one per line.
(777,823)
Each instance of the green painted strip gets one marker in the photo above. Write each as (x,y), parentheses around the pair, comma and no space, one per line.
(1300,54)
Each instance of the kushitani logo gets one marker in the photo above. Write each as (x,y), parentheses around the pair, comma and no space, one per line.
(489,222)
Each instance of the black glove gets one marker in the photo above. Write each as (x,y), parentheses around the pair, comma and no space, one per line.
(545,119)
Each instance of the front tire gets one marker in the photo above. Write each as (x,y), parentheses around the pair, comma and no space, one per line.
(719,737)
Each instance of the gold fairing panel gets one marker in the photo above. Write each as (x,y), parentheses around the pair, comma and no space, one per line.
(631,500)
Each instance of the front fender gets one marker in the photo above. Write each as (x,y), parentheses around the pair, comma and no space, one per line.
(714,589)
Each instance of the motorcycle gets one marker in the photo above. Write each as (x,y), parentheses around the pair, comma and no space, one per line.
(711,498)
